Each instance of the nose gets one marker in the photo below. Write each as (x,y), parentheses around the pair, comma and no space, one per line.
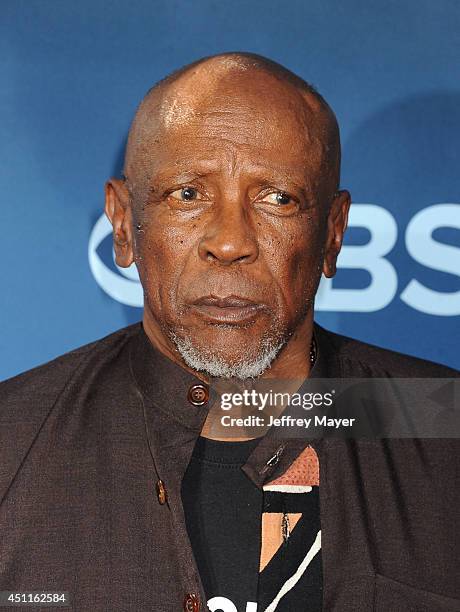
(229,237)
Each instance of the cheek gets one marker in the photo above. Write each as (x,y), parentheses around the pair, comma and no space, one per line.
(295,258)
(162,251)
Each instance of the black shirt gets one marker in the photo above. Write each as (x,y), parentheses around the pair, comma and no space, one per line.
(225,514)
(223,508)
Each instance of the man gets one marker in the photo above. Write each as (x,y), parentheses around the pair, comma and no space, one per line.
(114,487)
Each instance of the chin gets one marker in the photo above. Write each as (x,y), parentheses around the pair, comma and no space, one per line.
(222,355)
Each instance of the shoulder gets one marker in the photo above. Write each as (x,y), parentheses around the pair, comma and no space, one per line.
(362,359)
(26,400)
(40,386)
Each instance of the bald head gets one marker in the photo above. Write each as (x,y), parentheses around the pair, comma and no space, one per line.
(231,212)
(209,89)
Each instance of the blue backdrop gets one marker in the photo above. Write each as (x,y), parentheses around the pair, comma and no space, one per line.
(72,74)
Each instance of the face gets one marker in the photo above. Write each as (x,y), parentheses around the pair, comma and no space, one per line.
(231,237)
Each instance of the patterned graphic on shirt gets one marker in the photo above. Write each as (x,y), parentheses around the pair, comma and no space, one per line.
(290,572)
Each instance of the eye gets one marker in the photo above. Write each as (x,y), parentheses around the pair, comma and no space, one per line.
(186,194)
(278,198)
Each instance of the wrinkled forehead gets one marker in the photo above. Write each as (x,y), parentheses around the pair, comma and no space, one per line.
(232,111)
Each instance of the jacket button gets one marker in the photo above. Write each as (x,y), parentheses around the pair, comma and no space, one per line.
(161,492)
(198,395)
(191,603)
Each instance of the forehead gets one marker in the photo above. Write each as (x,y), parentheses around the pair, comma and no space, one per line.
(236,120)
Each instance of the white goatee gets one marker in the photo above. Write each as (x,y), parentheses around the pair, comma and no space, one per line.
(204,360)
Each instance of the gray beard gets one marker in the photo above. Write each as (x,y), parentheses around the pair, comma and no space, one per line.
(203,360)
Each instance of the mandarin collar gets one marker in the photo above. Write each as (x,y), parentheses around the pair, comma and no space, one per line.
(167,384)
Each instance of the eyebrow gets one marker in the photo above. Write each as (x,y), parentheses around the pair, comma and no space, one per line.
(180,175)
(184,172)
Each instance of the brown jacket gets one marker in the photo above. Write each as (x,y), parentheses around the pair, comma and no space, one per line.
(85,439)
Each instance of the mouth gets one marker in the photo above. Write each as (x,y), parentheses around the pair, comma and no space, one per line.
(231,310)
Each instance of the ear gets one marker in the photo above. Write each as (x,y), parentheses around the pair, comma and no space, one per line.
(336,225)
(119,213)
